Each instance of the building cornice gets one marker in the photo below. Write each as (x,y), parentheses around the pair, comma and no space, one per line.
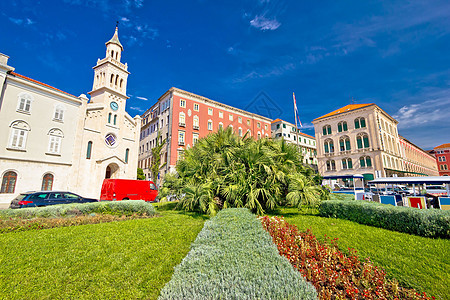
(105,88)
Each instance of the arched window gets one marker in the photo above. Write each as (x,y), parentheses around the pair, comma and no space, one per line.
(360,123)
(47,182)
(54,141)
(19,133)
(127,152)
(331,165)
(112,79)
(109,117)
(8,183)
(344,143)
(89,150)
(329,146)
(24,103)
(121,83)
(115,119)
(116,83)
(182,119)
(365,161)
(347,163)
(362,141)
(259,135)
(342,126)
(326,129)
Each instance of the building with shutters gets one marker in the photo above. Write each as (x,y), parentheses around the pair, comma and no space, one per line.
(363,139)
(182,118)
(52,140)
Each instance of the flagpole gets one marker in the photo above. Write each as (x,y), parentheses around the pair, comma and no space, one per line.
(295,115)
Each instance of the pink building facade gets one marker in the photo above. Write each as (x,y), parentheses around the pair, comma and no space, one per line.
(442,153)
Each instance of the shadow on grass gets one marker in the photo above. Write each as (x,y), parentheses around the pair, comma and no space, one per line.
(172,207)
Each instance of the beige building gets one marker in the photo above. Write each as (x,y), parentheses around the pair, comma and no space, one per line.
(51,140)
(363,139)
(305,142)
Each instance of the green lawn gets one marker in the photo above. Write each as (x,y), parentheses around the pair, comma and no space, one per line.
(119,260)
(418,262)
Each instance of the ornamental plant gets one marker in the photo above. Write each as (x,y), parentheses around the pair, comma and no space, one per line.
(334,274)
(224,170)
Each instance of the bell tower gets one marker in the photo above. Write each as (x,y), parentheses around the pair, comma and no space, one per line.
(110,75)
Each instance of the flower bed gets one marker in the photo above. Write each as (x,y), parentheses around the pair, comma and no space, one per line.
(334,274)
(234,258)
(423,222)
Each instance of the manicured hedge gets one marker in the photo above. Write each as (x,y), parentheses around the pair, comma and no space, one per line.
(129,207)
(233,257)
(422,222)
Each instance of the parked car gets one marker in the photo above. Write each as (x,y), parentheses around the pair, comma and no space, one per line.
(44,198)
(127,189)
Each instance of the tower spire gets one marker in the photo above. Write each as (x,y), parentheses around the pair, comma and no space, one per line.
(115,38)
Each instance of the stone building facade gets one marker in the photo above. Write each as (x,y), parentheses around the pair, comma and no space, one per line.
(306,143)
(182,118)
(363,139)
(52,140)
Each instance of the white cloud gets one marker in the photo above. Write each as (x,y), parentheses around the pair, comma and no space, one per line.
(264,73)
(262,23)
(25,21)
(142,98)
(136,108)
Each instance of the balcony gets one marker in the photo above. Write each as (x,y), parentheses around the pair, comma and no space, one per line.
(182,124)
(196,127)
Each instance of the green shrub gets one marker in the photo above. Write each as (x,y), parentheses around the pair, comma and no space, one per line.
(339,196)
(234,258)
(127,208)
(422,222)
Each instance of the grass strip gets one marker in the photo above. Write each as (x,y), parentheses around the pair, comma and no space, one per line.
(233,257)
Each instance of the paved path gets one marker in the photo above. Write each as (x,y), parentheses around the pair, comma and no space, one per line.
(4,205)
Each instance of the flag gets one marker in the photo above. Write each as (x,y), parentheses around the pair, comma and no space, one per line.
(296,112)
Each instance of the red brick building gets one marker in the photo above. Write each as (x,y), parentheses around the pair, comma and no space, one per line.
(442,153)
(182,118)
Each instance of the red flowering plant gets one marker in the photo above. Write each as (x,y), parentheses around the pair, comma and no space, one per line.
(334,274)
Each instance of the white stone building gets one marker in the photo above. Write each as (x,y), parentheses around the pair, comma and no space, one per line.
(51,140)
(305,142)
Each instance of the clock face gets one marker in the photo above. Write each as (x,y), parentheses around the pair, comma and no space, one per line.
(114,105)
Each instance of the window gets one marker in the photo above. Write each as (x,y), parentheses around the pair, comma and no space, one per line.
(127,153)
(196,122)
(230,117)
(194,138)
(220,114)
(278,126)
(331,165)
(115,119)
(196,107)
(210,125)
(110,139)
(265,127)
(59,113)
(442,158)
(329,146)
(284,125)
(182,119)
(109,117)
(181,137)
(47,182)
(362,141)
(259,135)
(240,131)
(240,120)
(347,163)
(342,126)
(220,125)
(360,123)
(19,132)
(365,161)
(258,125)
(182,103)
(89,150)
(54,142)
(210,111)
(180,154)
(326,129)
(344,143)
(249,132)
(248,122)
(444,167)
(24,104)
(8,182)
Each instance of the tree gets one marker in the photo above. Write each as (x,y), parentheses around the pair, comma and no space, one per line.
(140,174)
(156,157)
(223,170)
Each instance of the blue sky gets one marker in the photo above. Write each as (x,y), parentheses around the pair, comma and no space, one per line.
(392,53)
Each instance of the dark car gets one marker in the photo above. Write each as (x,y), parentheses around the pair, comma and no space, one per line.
(33,199)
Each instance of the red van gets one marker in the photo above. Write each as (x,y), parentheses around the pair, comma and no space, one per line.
(127,189)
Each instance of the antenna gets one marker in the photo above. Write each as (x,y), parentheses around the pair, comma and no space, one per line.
(117,24)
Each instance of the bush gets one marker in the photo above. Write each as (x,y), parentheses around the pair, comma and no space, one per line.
(234,258)
(337,196)
(127,208)
(423,222)
(334,274)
